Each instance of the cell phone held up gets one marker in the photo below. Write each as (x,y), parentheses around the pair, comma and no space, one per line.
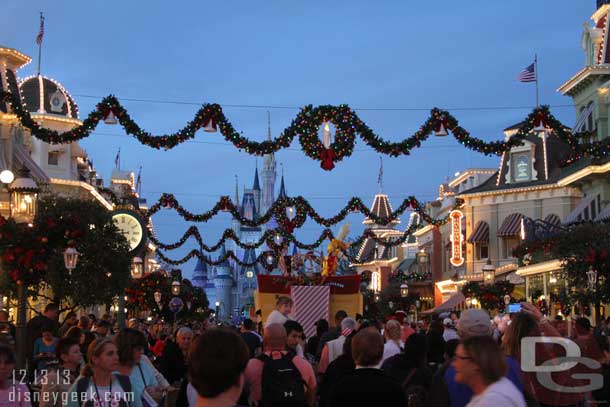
(514,307)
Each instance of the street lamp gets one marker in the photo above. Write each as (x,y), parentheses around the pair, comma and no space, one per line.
(23,198)
(404,290)
(70,258)
(137,267)
(7,176)
(489,272)
(175,287)
(591,277)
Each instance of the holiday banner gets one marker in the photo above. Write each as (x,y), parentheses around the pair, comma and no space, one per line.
(282,284)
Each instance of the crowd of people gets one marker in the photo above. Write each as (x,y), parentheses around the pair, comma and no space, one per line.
(465,359)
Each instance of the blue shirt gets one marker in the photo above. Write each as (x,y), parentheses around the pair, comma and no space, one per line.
(40,347)
(460,394)
(139,381)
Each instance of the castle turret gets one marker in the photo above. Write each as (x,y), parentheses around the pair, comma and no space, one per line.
(268,174)
(256,190)
(224,283)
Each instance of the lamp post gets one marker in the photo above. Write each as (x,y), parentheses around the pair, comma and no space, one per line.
(404,290)
(217,310)
(175,287)
(23,201)
(489,272)
(70,259)
(591,278)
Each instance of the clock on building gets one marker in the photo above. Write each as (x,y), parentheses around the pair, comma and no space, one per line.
(131,226)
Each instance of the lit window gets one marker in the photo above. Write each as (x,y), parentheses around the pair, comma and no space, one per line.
(520,166)
(376,281)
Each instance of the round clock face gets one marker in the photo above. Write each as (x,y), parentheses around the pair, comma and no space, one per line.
(130,227)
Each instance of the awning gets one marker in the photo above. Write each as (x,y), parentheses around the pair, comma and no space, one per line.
(452,303)
(582,119)
(24,158)
(604,214)
(581,212)
(511,226)
(480,233)
(552,219)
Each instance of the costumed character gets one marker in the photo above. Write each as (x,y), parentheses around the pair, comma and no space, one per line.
(335,252)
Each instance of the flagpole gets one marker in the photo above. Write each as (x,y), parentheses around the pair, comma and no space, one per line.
(536,74)
(40,44)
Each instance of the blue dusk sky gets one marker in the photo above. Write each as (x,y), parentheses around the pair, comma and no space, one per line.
(402,56)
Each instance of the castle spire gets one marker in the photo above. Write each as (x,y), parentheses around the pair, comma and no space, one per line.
(256,186)
(282,193)
(268,125)
(236,191)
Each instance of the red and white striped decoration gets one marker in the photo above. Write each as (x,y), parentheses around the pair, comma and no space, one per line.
(311,303)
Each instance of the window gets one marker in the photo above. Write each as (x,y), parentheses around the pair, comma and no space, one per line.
(53,158)
(481,251)
(590,122)
(508,245)
(520,166)
(376,281)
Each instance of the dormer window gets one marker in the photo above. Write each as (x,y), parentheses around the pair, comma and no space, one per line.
(53,158)
(521,167)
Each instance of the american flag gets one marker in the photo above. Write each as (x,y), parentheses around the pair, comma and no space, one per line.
(139,181)
(380,176)
(41,32)
(528,74)
(117,159)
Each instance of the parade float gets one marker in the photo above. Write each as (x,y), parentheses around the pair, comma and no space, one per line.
(311,281)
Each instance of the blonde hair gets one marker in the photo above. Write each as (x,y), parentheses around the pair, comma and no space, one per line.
(95,349)
(393,330)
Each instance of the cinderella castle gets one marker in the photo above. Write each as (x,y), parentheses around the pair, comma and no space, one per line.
(230,285)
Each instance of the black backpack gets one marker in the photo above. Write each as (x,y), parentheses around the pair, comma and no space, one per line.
(83,383)
(282,383)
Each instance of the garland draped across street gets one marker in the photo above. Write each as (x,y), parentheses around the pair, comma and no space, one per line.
(305,125)
(301,208)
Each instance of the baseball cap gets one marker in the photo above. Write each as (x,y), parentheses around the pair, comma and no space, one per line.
(474,322)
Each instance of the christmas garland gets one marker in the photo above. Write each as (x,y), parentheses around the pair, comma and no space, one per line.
(270,236)
(305,125)
(113,197)
(490,296)
(301,208)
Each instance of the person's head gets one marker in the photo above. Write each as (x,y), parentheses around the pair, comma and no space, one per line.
(583,326)
(84,323)
(284,305)
(217,362)
(71,318)
(51,311)
(479,359)
(436,326)
(7,363)
(522,325)
(321,327)
(92,318)
(102,327)
(453,316)
(75,333)
(4,315)
(130,344)
(348,325)
(47,332)
(247,325)
(393,330)
(474,322)
(274,337)
(133,323)
(339,316)
(184,337)
(68,352)
(294,334)
(416,349)
(102,355)
(367,347)
(603,342)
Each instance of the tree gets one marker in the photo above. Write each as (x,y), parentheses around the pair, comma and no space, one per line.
(103,268)
(580,248)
